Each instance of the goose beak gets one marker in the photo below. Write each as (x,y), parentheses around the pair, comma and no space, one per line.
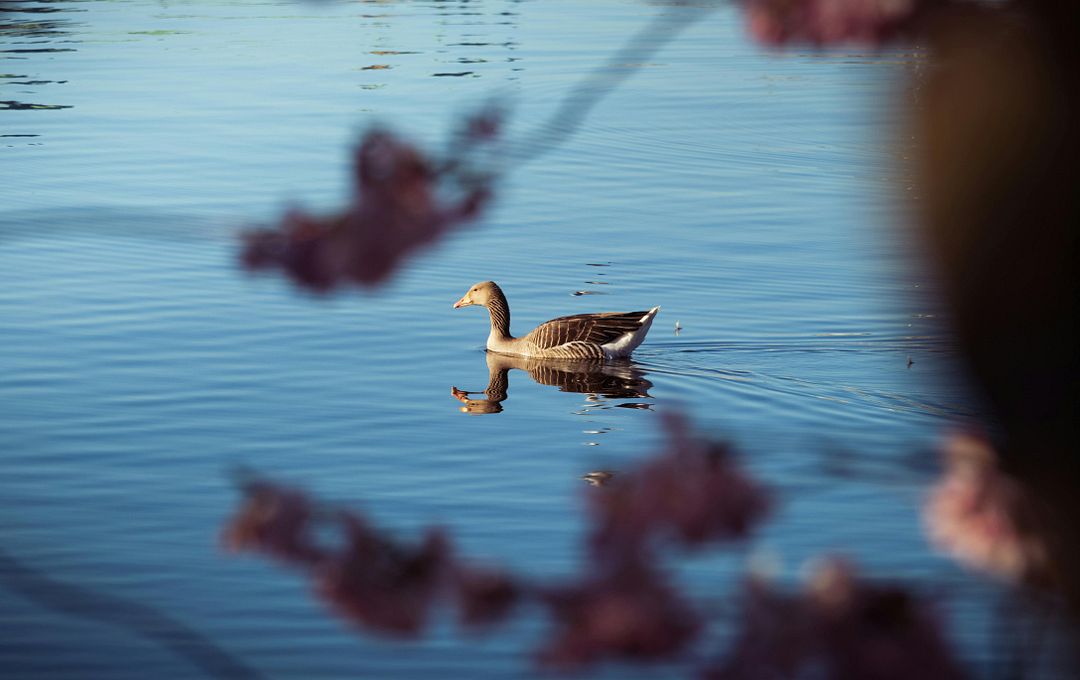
(463,302)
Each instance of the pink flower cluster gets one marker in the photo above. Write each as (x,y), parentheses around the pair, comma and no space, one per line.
(276,521)
(382,584)
(831,22)
(399,207)
(840,627)
(981,516)
(625,611)
(692,492)
(622,606)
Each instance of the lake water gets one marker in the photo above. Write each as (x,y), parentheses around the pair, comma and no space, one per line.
(747,193)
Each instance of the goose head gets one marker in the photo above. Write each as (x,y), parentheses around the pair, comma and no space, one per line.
(480,294)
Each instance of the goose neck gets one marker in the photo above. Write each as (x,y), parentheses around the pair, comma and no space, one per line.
(500,316)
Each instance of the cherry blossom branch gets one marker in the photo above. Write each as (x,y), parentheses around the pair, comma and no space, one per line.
(623,605)
(404,200)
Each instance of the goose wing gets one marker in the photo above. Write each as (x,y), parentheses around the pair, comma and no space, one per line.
(593,328)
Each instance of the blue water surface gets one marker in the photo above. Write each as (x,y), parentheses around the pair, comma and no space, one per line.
(751,194)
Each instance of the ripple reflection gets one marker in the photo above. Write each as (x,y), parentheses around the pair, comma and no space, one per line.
(25,33)
(598,379)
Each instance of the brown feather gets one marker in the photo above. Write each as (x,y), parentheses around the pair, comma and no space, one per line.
(596,328)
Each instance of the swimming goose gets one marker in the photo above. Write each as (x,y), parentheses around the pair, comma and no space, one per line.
(609,335)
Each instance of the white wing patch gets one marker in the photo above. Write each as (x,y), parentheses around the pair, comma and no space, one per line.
(628,342)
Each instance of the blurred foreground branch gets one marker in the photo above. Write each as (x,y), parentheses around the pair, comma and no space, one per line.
(405,200)
(624,605)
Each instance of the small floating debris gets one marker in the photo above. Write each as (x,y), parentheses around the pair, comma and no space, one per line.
(376,67)
(579,293)
(599,477)
(453,75)
(844,334)
(160,32)
(910,362)
(678,327)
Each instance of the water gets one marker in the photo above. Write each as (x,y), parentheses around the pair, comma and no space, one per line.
(745,192)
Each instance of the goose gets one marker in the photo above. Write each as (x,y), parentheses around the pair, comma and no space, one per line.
(605,336)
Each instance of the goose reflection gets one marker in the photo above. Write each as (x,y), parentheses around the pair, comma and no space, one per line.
(596,378)
(599,477)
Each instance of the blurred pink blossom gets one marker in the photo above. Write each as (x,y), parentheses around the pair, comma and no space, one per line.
(485,596)
(775,636)
(629,613)
(981,516)
(831,22)
(400,205)
(872,631)
(692,491)
(274,520)
(384,586)
(840,627)
(622,606)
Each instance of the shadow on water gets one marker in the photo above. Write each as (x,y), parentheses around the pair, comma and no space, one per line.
(622,380)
